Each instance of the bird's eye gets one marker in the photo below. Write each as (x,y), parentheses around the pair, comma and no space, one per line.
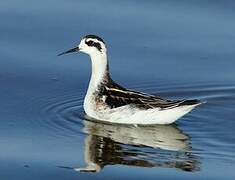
(89,43)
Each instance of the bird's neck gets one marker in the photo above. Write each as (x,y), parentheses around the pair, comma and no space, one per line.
(100,71)
(99,75)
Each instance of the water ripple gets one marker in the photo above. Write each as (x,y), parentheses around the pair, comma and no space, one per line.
(64,117)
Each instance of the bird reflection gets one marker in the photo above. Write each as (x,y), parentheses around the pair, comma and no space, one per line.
(155,146)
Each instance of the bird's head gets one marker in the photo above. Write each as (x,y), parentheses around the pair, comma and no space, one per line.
(90,44)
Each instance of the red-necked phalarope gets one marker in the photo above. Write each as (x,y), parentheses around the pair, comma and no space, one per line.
(107,101)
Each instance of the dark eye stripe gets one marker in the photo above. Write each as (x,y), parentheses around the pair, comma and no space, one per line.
(94,44)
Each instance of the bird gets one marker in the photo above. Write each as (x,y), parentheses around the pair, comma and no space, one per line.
(107,101)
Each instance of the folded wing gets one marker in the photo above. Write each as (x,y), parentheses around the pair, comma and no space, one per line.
(116,97)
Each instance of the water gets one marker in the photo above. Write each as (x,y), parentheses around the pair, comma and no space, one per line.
(175,49)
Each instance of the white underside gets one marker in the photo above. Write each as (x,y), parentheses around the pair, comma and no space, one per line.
(126,114)
(131,115)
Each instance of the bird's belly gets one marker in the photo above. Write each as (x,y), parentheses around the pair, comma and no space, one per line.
(132,115)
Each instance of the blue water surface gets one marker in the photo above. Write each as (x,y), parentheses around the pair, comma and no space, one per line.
(174,49)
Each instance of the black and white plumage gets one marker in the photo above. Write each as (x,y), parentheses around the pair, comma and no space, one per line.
(107,101)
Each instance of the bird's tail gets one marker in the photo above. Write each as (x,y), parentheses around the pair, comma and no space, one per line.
(190,102)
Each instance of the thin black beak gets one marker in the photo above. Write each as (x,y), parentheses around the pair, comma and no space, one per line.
(76,49)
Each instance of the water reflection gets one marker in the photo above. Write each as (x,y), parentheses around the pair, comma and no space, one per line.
(155,146)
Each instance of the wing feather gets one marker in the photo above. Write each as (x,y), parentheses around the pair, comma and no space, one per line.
(116,97)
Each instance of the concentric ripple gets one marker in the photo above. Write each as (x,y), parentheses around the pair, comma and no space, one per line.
(182,146)
(68,107)
(62,115)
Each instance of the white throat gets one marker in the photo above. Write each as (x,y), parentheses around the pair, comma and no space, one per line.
(99,65)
